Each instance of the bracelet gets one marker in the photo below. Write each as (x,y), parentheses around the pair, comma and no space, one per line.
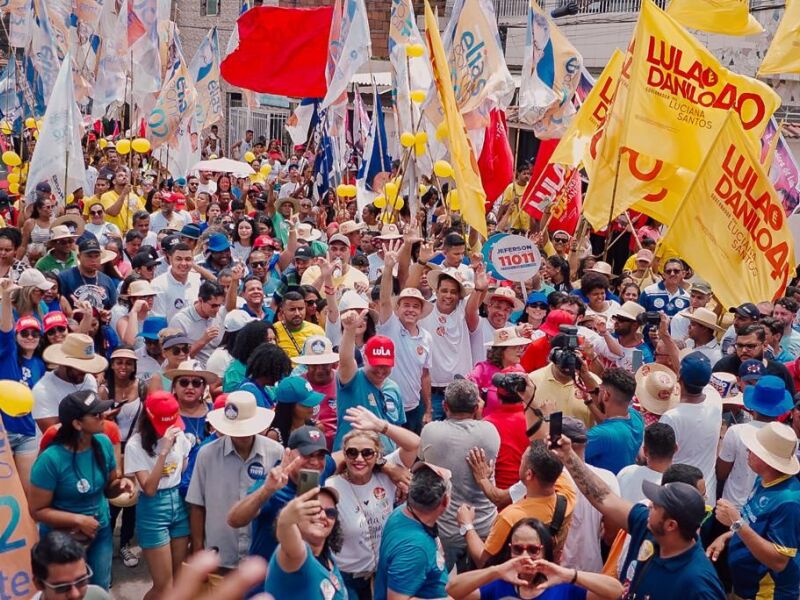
(385,427)
(574,577)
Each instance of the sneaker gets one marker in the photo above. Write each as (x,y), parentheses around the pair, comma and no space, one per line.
(129,558)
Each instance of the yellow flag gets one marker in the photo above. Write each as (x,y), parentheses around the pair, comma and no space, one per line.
(731,227)
(783,55)
(462,157)
(728,17)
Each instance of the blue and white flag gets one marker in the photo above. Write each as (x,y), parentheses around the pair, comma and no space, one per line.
(349,47)
(376,154)
(10,95)
(204,69)
(44,51)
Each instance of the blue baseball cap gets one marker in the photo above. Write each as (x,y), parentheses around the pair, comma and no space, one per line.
(151,327)
(180,181)
(191,231)
(752,370)
(218,242)
(768,397)
(536,297)
(296,390)
(696,369)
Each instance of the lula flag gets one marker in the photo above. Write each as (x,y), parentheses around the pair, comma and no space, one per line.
(349,47)
(59,142)
(783,55)
(147,76)
(205,74)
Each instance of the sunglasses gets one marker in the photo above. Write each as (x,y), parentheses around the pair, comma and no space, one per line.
(95,212)
(30,333)
(540,305)
(56,329)
(353,453)
(531,549)
(258,264)
(331,513)
(673,271)
(180,349)
(193,381)
(65,588)
(560,240)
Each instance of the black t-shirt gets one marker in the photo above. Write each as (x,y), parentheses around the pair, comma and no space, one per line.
(730,363)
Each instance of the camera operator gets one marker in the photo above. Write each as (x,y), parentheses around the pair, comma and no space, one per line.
(565,384)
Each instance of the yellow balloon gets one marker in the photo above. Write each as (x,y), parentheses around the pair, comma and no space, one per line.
(30,122)
(407,139)
(352,191)
(16,399)
(423,189)
(5,128)
(421,137)
(13,188)
(11,158)
(391,190)
(141,145)
(418,96)
(441,131)
(103,143)
(415,50)
(265,169)
(420,149)
(453,200)
(260,179)
(123,146)
(39,123)
(442,169)
(398,203)
(13,178)
(388,217)
(341,190)
(249,156)
(379,202)
(213,157)
(36,134)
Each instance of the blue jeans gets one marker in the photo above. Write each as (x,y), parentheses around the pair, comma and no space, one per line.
(414,418)
(437,403)
(99,554)
(358,588)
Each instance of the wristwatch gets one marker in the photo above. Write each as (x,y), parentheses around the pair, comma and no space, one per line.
(737,525)
(465,528)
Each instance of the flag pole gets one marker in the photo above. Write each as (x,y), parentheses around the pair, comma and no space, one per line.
(611,208)
(130,122)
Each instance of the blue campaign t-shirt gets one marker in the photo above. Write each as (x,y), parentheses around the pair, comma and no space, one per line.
(312,580)
(76,479)
(773,512)
(689,576)
(502,590)
(99,290)
(655,297)
(265,396)
(263,541)
(195,432)
(614,443)
(29,372)
(386,403)
(411,561)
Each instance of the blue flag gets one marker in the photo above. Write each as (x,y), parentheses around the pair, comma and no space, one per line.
(376,154)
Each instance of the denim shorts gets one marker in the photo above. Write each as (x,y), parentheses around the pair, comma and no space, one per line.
(161,518)
(22,444)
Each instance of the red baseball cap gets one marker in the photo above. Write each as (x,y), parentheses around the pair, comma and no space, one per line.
(55,319)
(169,197)
(555,319)
(220,401)
(379,351)
(263,241)
(28,323)
(163,411)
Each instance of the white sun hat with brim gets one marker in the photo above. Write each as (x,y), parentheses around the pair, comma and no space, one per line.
(775,444)
(306,232)
(141,288)
(657,388)
(77,352)
(352,300)
(414,294)
(704,317)
(191,368)
(317,350)
(506,337)
(434,275)
(507,294)
(61,232)
(241,416)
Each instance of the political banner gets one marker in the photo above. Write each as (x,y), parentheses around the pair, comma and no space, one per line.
(175,102)
(727,17)
(783,169)
(731,226)
(349,48)
(204,69)
(511,257)
(782,55)
(556,186)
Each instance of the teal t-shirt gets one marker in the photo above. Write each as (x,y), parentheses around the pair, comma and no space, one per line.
(76,479)
(234,376)
(311,580)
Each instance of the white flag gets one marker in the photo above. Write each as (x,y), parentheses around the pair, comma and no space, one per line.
(348,49)
(109,87)
(59,142)
(205,74)
(44,52)
(175,102)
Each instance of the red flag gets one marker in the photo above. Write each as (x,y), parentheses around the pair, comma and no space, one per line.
(136,28)
(281,51)
(557,184)
(496,163)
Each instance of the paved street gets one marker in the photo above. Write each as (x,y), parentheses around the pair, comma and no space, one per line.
(128,584)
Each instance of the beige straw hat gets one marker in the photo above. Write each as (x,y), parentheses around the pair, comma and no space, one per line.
(657,388)
(775,444)
(76,351)
(241,416)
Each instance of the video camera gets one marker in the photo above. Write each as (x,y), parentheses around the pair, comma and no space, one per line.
(510,383)
(564,353)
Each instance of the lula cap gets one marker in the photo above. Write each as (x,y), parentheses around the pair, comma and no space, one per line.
(163,411)
(379,351)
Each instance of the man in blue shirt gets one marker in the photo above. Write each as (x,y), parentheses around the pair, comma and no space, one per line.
(411,560)
(667,296)
(669,560)
(614,443)
(764,538)
(86,281)
(368,386)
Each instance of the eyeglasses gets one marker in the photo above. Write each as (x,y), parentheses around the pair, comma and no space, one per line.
(180,349)
(193,381)
(740,346)
(673,271)
(64,588)
(531,549)
(353,453)
(258,264)
(56,329)
(30,333)
(96,212)
(331,513)
(214,304)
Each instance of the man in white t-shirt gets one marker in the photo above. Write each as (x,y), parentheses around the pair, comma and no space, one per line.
(697,419)
(450,323)
(168,217)
(178,287)
(766,400)
(499,306)
(659,447)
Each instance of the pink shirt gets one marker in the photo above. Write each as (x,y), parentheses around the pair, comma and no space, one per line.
(481,376)
(326,411)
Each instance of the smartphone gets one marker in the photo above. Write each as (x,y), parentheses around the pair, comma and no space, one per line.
(555,429)
(309,479)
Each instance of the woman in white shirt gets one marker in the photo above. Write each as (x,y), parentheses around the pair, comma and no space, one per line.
(156,456)
(102,229)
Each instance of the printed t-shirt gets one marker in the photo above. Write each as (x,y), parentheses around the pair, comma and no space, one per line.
(312,580)
(137,459)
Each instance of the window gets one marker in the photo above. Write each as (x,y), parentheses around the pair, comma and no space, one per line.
(209,7)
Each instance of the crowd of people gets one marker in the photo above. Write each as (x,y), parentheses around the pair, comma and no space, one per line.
(247,366)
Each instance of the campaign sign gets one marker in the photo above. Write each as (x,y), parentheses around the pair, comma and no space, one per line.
(511,257)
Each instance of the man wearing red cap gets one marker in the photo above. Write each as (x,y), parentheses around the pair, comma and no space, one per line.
(168,217)
(368,386)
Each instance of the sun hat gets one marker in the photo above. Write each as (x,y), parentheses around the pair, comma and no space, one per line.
(191,231)
(76,351)
(189,368)
(629,310)
(679,500)
(307,440)
(163,411)
(703,316)
(296,390)
(293,201)
(436,273)
(657,388)
(379,351)
(73,223)
(554,319)
(445,474)
(725,385)
(768,397)
(55,319)
(34,278)
(306,232)
(218,242)
(389,232)
(601,267)
(352,300)
(151,327)
(241,416)
(141,288)
(349,227)
(79,404)
(775,444)
(236,319)
(507,294)
(752,370)
(317,350)
(506,337)
(124,353)
(695,369)
(414,294)
(338,237)
(61,232)
(644,255)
